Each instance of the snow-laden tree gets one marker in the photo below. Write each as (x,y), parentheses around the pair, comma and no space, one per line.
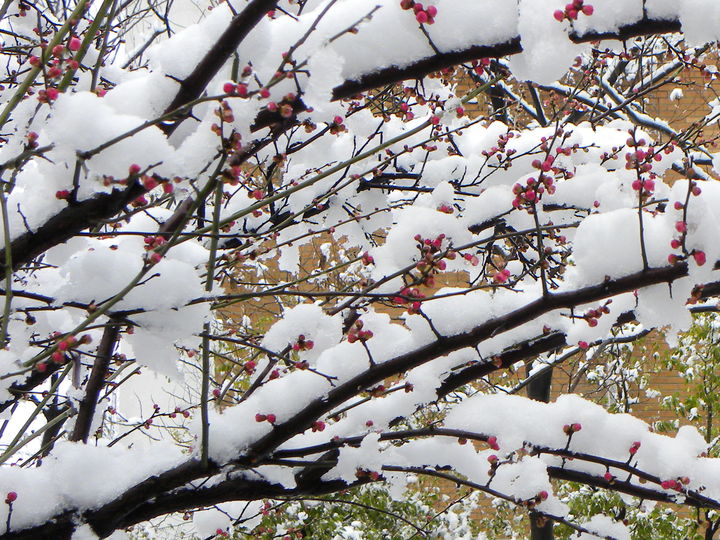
(154,173)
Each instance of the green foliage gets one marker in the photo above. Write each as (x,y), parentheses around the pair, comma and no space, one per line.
(697,361)
(368,513)
(645,519)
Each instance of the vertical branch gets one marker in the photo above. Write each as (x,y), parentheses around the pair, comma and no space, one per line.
(8,275)
(541,527)
(643,251)
(205,387)
(95,382)
(541,250)
(204,394)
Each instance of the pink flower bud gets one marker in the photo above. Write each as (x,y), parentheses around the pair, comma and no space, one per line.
(74,43)
(699,257)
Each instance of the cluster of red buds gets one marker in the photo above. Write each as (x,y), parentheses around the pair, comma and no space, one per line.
(11,497)
(285,108)
(318,425)
(249,366)
(527,195)
(572,11)
(445,208)
(546,165)
(56,67)
(367,259)
(356,333)
(537,499)
(225,112)
(428,262)
(337,126)
(501,276)
(677,484)
(232,175)
(151,244)
(412,296)
(265,417)
(681,227)
(492,442)
(303,344)
(64,346)
(634,447)
(479,66)
(405,112)
(645,186)
(363,473)
(423,15)
(501,144)
(150,183)
(236,89)
(301,365)
(641,159)
(593,315)
(266,508)
(240,89)
(178,410)
(569,429)
(32,138)
(472,259)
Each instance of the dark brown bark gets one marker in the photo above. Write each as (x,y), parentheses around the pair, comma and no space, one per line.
(86,411)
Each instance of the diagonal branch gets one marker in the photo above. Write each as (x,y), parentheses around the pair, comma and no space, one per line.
(95,383)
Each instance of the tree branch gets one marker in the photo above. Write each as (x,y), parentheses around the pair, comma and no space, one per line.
(95,383)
